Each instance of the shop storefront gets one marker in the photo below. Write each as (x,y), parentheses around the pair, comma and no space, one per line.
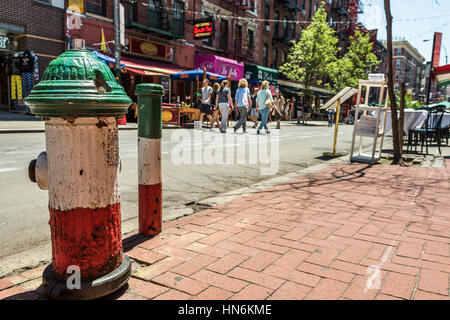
(220,65)
(256,74)
(17,70)
(146,59)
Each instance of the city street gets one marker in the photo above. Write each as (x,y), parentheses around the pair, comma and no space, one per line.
(25,213)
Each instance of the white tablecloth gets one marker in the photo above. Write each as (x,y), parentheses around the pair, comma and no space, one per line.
(413,119)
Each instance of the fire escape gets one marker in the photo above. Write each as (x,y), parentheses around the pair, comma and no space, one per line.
(285,35)
(355,7)
(242,48)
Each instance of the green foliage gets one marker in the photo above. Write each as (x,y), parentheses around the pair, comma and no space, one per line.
(309,57)
(410,103)
(354,65)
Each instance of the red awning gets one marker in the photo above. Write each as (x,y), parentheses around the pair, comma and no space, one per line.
(146,67)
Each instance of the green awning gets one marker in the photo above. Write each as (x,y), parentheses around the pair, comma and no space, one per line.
(257,74)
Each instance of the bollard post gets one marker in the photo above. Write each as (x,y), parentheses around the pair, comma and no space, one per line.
(80,101)
(149,158)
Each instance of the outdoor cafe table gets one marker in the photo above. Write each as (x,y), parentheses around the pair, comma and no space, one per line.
(415,119)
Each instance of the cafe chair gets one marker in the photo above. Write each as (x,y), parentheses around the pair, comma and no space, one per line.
(431,129)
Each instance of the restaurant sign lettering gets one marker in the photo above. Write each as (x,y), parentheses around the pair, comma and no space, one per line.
(203,29)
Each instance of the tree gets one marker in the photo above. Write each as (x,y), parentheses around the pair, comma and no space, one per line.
(398,158)
(356,64)
(308,58)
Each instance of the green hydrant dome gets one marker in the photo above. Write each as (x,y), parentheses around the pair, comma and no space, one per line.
(78,84)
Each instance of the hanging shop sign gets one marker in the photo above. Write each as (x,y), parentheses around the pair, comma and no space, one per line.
(203,29)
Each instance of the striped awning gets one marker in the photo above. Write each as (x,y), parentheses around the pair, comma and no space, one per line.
(442,75)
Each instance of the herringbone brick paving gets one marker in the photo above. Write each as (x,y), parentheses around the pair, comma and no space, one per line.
(351,231)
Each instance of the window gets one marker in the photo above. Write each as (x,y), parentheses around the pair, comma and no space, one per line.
(54,3)
(223,43)
(293,25)
(178,19)
(283,57)
(267,13)
(398,63)
(250,38)
(97,7)
(285,27)
(264,54)
(277,24)
(397,74)
(252,4)
(274,58)
(399,51)
(154,14)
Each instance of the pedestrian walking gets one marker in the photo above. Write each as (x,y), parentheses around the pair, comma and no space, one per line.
(242,101)
(215,106)
(254,113)
(223,100)
(278,108)
(299,108)
(264,101)
(330,117)
(205,107)
(287,110)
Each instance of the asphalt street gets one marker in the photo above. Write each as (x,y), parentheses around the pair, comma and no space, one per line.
(193,169)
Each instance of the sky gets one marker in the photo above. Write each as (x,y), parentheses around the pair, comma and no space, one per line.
(414,21)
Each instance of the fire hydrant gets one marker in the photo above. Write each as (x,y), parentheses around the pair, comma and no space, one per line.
(80,101)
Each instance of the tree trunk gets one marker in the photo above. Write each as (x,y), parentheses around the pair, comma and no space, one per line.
(395,139)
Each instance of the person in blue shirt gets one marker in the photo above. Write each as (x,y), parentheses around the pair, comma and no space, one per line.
(242,101)
(264,95)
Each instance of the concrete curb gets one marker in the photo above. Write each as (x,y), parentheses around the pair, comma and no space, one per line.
(6,131)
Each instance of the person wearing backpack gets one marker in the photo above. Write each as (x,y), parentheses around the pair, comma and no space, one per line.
(264,101)
(224,101)
(242,101)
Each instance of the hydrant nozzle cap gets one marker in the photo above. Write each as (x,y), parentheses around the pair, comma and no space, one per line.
(149,89)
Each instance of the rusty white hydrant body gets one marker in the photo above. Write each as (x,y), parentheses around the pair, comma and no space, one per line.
(80,101)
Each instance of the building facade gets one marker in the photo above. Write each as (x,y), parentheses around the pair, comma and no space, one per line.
(31,34)
(408,67)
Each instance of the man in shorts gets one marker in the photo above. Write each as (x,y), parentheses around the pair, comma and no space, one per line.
(205,107)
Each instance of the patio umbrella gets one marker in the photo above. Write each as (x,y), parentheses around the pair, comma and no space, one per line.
(445,104)
(193,75)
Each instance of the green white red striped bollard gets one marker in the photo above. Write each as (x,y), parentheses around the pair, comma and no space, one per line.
(149,158)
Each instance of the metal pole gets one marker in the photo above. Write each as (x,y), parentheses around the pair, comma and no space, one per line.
(338,111)
(431,70)
(117,45)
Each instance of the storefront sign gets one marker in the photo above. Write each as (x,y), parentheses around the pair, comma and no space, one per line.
(203,30)
(257,74)
(223,66)
(148,48)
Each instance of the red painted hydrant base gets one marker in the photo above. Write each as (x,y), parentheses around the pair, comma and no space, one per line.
(150,209)
(88,238)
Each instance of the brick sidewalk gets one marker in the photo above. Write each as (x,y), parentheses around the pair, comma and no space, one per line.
(311,238)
